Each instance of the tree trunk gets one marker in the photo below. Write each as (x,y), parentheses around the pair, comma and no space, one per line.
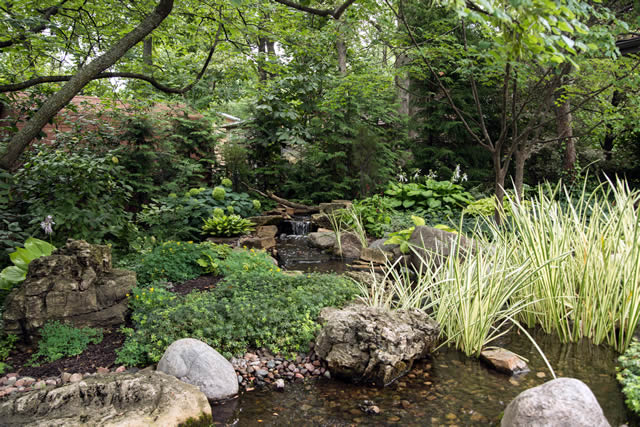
(341,48)
(499,175)
(609,138)
(147,51)
(58,100)
(564,122)
(520,157)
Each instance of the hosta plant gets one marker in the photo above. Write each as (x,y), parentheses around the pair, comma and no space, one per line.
(227,225)
(21,258)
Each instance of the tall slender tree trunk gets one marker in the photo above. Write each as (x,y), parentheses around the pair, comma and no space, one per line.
(498,181)
(564,127)
(58,100)
(520,158)
(147,51)
(341,49)
(609,138)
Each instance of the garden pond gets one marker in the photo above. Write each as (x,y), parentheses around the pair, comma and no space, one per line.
(448,388)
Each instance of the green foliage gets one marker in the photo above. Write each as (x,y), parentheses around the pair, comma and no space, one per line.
(240,262)
(174,261)
(629,375)
(84,191)
(11,232)
(227,225)
(181,217)
(21,258)
(211,257)
(432,195)
(374,213)
(250,309)
(7,343)
(218,194)
(402,237)
(59,340)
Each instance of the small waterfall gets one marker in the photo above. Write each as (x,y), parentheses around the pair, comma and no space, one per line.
(300,227)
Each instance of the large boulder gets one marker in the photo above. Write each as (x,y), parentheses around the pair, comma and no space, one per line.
(322,239)
(349,247)
(373,345)
(142,399)
(75,284)
(560,402)
(432,242)
(196,363)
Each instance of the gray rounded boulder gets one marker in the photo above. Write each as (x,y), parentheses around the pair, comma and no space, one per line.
(196,363)
(560,402)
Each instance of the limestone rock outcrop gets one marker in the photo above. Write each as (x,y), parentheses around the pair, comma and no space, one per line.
(142,399)
(373,345)
(75,284)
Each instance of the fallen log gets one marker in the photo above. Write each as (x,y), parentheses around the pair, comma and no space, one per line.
(284,202)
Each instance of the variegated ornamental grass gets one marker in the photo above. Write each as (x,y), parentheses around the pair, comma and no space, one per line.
(572,267)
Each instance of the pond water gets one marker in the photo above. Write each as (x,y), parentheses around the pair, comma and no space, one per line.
(295,253)
(446,389)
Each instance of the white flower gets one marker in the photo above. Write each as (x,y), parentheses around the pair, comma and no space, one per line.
(46,225)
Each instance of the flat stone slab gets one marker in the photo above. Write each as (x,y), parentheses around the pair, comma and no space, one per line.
(504,361)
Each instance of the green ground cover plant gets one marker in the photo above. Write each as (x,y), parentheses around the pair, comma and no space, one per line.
(7,343)
(59,340)
(255,306)
(629,375)
(176,261)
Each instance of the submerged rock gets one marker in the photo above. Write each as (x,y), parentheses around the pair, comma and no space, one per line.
(504,361)
(560,402)
(141,399)
(196,363)
(369,344)
(75,284)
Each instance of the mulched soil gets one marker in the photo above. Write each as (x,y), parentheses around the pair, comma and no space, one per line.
(202,283)
(101,355)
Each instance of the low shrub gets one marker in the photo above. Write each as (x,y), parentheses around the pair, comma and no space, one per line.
(21,258)
(176,261)
(629,375)
(59,340)
(177,217)
(249,309)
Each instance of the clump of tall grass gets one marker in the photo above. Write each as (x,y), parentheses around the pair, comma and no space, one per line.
(570,265)
(586,254)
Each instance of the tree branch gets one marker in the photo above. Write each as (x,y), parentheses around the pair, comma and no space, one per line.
(334,13)
(46,16)
(137,76)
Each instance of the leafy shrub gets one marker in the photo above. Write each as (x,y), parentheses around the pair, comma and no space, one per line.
(374,213)
(12,233)
(180,217)
(60,340)
(227,225)
(629,375)
(432,195)
(173,261)
(247,310)
(85,192)
(402,237)
(21,258)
